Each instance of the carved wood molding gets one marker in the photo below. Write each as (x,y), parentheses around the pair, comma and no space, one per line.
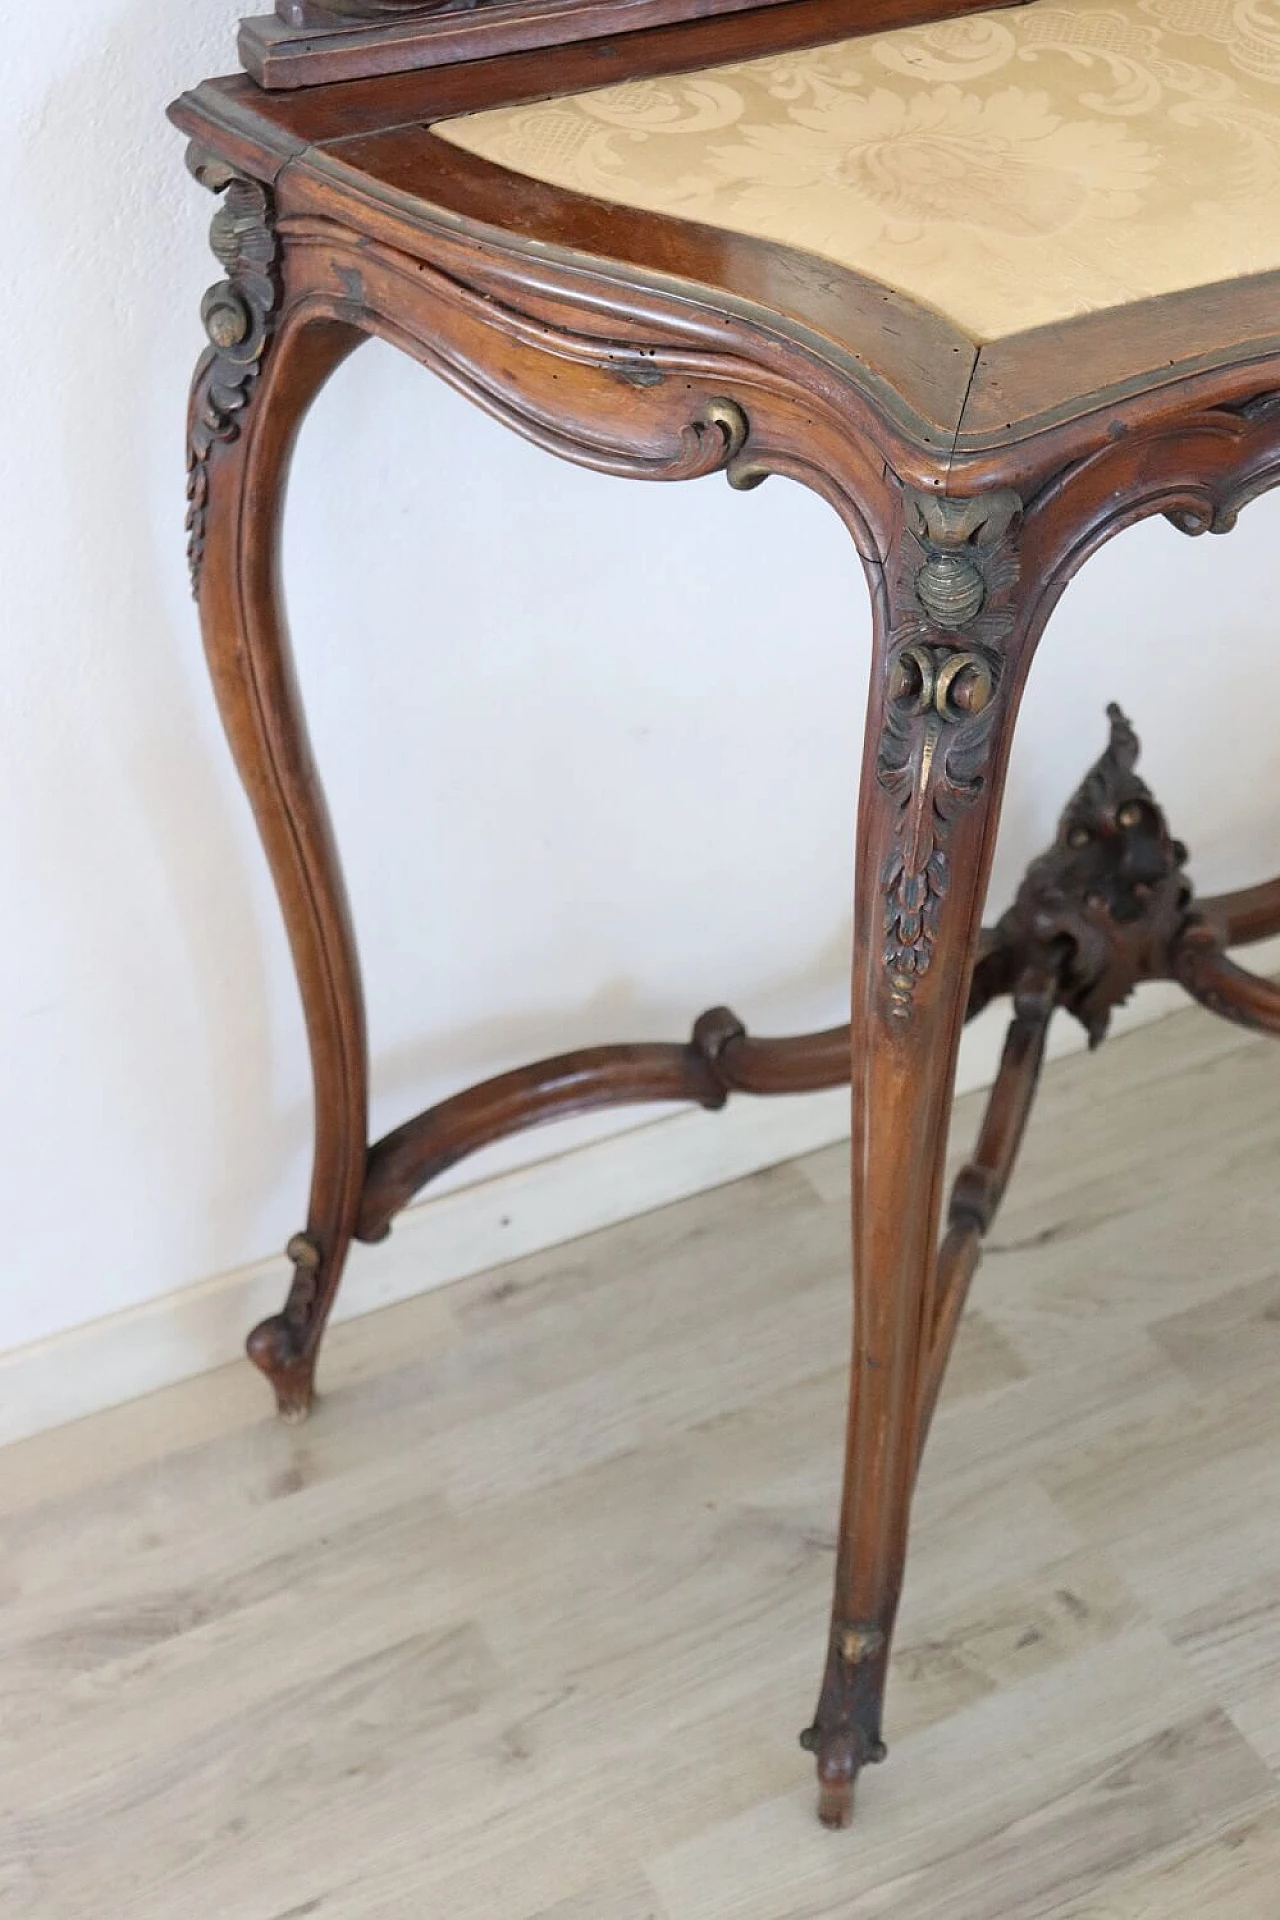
(239,315)
(655,414)
(1222,505)
(1198,465)
(959,569)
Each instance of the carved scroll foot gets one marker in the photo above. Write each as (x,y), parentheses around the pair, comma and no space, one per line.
(273,1346)
(845,1735)
(285,1347)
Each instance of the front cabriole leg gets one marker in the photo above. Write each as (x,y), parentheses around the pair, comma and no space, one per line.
(298,295)
(952,645)
(263,366)
(960,605)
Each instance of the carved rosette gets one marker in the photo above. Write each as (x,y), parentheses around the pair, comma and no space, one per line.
(945,668)
(239,317)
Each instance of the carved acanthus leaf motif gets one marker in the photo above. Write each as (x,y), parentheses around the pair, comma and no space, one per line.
(239,317)
(959,571)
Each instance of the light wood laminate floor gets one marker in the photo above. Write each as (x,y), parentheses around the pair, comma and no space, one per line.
(525,1622)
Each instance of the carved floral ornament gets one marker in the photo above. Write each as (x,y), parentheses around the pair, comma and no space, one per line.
(960,568)
(239,317)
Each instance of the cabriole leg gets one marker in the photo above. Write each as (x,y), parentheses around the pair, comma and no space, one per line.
(947,673)
(252,388)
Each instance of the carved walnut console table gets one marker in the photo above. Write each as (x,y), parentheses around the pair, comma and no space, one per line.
(995,290)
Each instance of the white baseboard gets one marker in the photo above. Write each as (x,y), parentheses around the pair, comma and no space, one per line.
(187,1332)
(193,1329)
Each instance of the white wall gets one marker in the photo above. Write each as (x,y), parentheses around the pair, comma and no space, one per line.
(590,744)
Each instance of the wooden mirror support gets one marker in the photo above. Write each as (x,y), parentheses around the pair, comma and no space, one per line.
(308,43)
(316,13)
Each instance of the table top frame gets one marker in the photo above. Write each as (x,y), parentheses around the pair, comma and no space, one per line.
(365,149)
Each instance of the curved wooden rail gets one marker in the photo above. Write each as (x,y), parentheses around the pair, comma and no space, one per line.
(1212,978)
(980,1185)
(1252,913)
(718,1059)
(721,1058)
(589,1079)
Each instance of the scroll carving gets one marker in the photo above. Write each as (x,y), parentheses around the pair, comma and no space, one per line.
(960,568)
(239,314)
(1221,509)
(715,436)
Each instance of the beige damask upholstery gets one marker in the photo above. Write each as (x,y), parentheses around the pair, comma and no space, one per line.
(1007,170)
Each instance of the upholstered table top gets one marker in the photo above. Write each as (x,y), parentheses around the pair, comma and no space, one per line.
(1008,169)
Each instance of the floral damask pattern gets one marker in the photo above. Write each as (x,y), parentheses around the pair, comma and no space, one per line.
(1009,169)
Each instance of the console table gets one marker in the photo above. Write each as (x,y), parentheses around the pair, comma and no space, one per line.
(996,288)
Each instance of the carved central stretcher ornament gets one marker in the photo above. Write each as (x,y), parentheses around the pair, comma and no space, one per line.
(1108,905)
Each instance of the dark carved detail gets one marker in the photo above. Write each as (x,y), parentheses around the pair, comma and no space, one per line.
(307,1261)
(1263,406)
(1220,511)
(279,1348)
(239,317)
(960,568)
(714,1031)
(282,1347)
(931,763)
(1106,905)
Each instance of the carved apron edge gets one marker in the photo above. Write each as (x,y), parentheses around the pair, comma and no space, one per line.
(1221,506)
